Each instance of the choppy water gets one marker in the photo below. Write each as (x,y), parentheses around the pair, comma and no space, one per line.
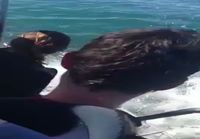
(86,19)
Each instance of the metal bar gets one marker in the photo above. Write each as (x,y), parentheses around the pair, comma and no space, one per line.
(169,114)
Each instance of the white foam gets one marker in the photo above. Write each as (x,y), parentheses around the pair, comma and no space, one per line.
(184,96)
(53,62)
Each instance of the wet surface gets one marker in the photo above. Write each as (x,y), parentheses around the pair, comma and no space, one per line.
(178,127)
(184,96)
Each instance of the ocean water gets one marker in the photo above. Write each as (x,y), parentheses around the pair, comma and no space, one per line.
(87,19)
(84,20)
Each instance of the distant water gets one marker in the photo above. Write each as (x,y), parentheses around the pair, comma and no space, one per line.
(84,20)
